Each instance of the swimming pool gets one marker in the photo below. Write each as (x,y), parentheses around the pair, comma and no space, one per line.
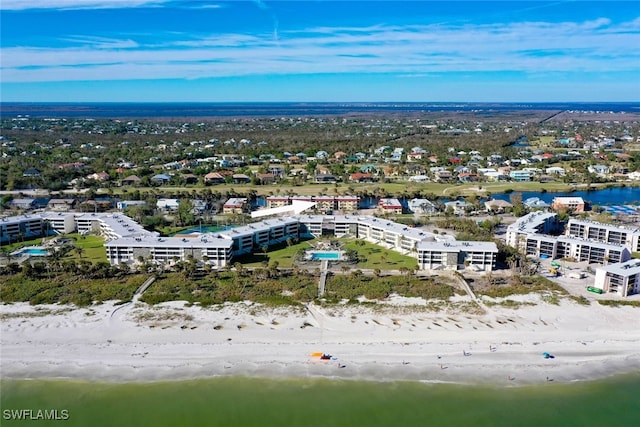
(316,256)
(31,251)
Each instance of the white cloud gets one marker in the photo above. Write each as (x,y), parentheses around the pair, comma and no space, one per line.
(76,4)
(530,47)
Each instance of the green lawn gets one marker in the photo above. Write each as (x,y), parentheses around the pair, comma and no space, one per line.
(17,245)
(371,256)
(374,256)
(92,248)
(283,255)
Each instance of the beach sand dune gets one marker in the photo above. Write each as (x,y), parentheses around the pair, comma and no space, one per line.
(502,346)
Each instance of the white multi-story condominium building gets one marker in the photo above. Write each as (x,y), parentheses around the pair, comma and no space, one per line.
(260,234)
(628,236)
(220,248)
(541,245)
(128,242)
(209,248)
(431,251)
(60,222)
(622,278)
(21,227)
(534,222)
(323,203)
(111,226)
(455,255)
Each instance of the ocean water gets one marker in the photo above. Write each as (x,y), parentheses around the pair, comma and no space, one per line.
(277,109)
(323,403)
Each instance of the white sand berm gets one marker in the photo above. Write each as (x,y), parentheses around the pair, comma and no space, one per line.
(401,340)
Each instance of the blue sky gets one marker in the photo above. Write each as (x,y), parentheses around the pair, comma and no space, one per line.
(324,51)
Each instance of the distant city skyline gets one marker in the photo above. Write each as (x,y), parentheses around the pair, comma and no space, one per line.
(319,51)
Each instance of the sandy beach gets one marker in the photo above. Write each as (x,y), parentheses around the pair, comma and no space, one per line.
(400,340)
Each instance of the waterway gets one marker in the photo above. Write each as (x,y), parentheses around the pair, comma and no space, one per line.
(607,196)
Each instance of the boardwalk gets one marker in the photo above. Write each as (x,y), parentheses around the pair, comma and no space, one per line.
(324,270)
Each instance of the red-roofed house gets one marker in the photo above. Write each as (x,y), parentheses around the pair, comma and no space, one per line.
(361,177)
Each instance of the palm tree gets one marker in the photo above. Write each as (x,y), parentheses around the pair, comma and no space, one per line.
(79,250)
(6,253)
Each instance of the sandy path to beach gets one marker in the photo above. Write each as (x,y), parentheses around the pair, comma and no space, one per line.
(395,342)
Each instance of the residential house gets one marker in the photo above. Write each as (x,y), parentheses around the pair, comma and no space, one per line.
(214,178)
(235,205)
(422,206)
(443,175)
(325,178)
(468,177)
(634,176)
(240,178)
(131,180)
(189,178)
(497,206)
(555,170)
(520,175)
(61,205)
(535,203)
(24,204)
(414,157)
(266,178)
(161,178)
(276,171)
(361,177)
(418,178)
(31,172)
(459,207)
(168,204)
(99,176)
(600,170)
(339,155)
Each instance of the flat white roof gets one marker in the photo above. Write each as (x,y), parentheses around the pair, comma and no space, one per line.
(611,227)
(456,246)
(18,219)
(529,222)
(200,242)
(590,242)
(627,268)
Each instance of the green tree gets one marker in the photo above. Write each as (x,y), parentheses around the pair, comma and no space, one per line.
(185,212)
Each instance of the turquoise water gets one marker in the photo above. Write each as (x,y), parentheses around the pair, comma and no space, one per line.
(324,255)
(32,252)
(324,403)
